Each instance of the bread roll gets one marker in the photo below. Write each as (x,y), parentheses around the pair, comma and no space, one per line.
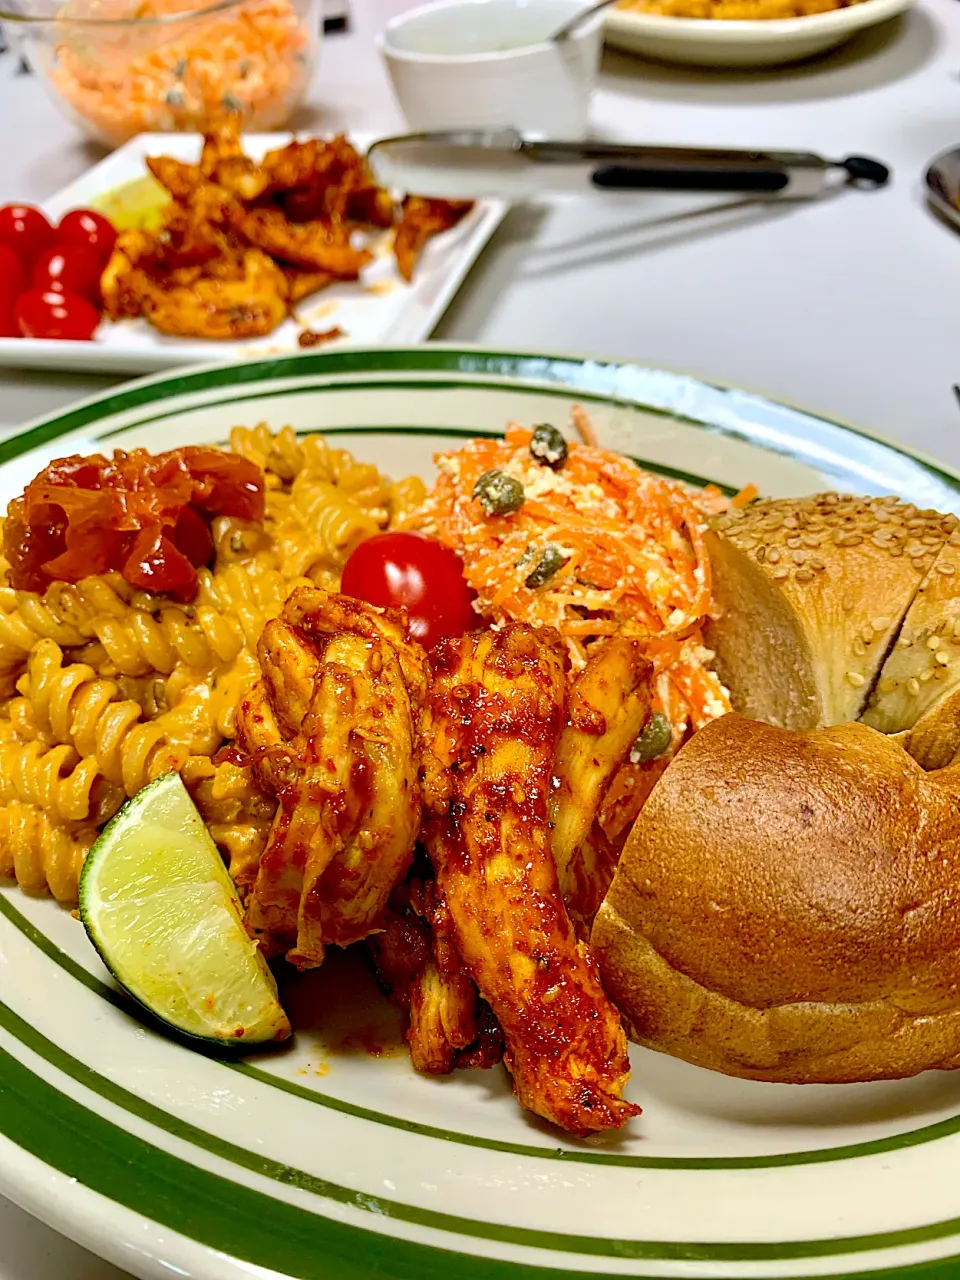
(787,908)
(810,595)
(918,685)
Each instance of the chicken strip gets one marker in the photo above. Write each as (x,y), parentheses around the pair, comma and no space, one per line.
(420,220)
(213,307)
(223,142)
(301,283)
(322,613)
(178,177)
(330,730)
(489,729)
(607,708)
(416,963)
(124,283)
(316,245)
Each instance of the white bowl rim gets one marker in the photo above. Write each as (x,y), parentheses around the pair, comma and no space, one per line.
(723,31)
(445,59)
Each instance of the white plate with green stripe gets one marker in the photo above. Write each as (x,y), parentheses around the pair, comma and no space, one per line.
(323,1162)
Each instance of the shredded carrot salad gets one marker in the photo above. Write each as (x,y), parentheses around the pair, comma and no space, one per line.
(622,549)
(254,59)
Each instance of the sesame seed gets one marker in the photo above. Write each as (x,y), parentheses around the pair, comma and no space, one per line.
(816,564)
(947,570)
(926,675)
(804,575)
(880,624)
(761,553)
(811,540)
(866,632)
(791,522)
(798,557)
(848,603)
(913,686)
(859,648)
(933,642)
(781,573)
(856,679)
(793,543)
(773,555)
(942,657)
(916,550)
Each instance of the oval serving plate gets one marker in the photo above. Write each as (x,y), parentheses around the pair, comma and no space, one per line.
(943,185)
(707,42)
(325,1163)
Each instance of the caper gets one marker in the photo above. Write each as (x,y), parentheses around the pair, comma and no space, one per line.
(498,493)
(654,741)
(548,446)
(550,561)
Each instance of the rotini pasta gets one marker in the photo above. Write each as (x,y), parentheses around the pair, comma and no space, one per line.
(103,687)
(39,853)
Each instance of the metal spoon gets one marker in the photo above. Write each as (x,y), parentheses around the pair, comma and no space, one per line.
(571,25)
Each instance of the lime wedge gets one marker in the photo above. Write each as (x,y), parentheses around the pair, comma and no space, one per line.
(159,906)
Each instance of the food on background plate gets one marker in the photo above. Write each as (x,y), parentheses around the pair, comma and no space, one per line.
(787,908)
(736,10)
(241,243)
(253,59)
(50,276)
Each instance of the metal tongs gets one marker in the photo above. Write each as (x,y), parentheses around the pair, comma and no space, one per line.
(471,165)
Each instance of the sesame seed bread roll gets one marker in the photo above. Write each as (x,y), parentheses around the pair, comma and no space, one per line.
(919,685)
(787,908)
(810,595)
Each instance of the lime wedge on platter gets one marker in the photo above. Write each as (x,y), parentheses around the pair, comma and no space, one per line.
(160,908)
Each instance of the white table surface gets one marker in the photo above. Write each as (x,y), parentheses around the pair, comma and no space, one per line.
(850,306)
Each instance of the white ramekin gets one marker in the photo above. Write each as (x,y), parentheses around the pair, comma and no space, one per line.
(486,64)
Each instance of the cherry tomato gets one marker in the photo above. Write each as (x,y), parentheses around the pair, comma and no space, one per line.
(68,268)
(83,226)
(13,276)
(8,324)
(56,315)
(419,573)
(26,231)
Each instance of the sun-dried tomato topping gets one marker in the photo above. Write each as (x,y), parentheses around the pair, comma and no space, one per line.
(144,515)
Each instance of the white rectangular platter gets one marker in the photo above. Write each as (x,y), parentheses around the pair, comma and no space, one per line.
(378,308)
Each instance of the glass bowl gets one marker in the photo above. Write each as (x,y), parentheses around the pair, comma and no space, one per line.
(122,67)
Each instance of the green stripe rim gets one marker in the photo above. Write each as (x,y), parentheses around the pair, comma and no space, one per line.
(247,1225)
(567,1155)
(572,375)
(523,1237)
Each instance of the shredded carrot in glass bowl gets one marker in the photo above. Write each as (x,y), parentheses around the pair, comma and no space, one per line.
(629,551)
(122,67)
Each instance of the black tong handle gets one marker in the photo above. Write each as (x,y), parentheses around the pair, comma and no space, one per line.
(727,175)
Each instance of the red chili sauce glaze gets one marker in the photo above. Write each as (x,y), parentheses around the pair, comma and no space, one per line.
(146,516)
